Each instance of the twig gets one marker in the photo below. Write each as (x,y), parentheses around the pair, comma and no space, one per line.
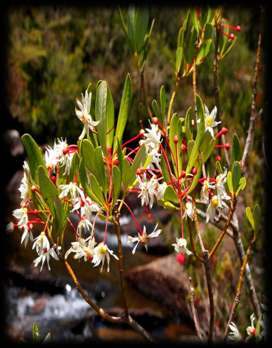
(253,113)
(216,224)
(89,300)
(206,263)
(239,286)
(100,311)
(173,95)
(121,264)
(207,267)
(193,309)
(230,215)
(249,281)
(194,88)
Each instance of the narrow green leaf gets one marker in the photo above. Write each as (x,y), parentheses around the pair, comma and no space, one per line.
(156,110)
(188,124)
(50,195)
(123,111)
(34,154)
(242,185)
(137,163)
(229,182)
(204,51)
(97,190)
(179,55)
(163,101)
(104,112)
(236,175)
(250,217)
(196,177)
(236,149)
(85,181)
(94,161)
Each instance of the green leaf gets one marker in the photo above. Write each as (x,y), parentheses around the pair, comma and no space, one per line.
(164,169)
(207,146)
(104,112)
(188,123)
(34,154)
(50,195)
(218,167)
(242,185)
(97,190)
(236,175)
(250,217)
(200,133)
(156,110)
(123,111)
(85,181)
(170,195)
(163,101)
(94,161)
(137,163)
(116,177)
(236,149)
(229,182)
(204,51)
(179,56)
(257,214)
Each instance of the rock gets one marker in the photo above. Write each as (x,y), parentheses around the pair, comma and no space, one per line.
(165,281)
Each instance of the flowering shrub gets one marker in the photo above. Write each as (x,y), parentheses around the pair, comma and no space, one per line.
(181,162)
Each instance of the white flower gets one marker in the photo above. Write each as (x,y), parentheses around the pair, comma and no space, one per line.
(27,234)
(234,333)
(25,186)
(41,243)
(83,113)
(204,195)
(181,246)
(71,190)
(21,215)
(152,139)
(210,122)
(220,181)
(102,252)
(82,248)
(150,189)
(251,330)
(155,160)
(45,256)
(86,206)
(66,162)
(54,155)
(84,225)
(189,210)
(144,238)
(161,189)
(215,203)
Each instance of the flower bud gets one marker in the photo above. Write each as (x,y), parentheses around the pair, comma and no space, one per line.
(175,139)
(223,131)
(181,258)
(155,120)
(231,36)
(238,28)
(218,158)
(227,146)
(116,162)
(194,171)
(183,174)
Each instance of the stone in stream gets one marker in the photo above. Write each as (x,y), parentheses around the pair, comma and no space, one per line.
(165,281)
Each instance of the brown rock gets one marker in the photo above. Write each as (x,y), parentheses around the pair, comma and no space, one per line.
(165,281)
